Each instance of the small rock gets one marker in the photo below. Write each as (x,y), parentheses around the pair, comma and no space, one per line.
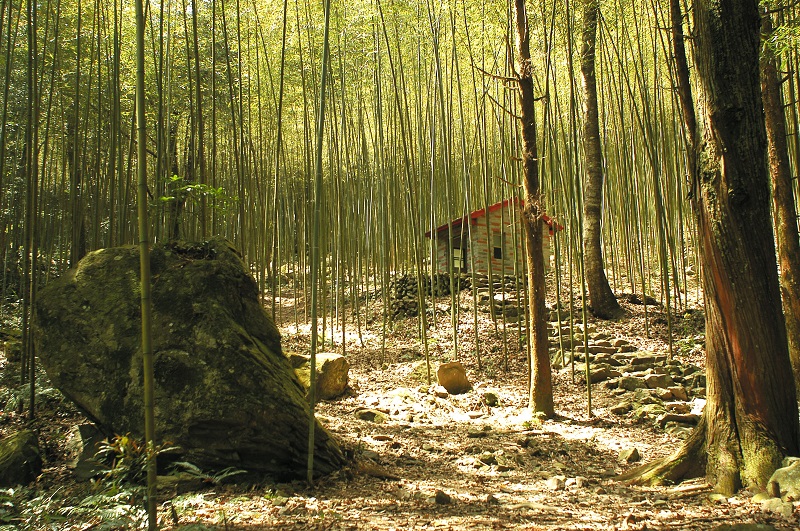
(453,377)
(762,496)
(442,498)
(629,455)
(440,392)
(679,393)
(371,415)
(620,408)
(631,383)
(490,399)
(777,506)
(788,481)
(556,483)
(655,381)
(664,394)
(644,397)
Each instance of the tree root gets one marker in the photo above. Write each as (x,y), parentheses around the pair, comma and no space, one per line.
(686,463)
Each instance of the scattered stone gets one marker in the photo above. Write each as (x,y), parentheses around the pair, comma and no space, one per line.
(648,411)
(762,496)
(777,506)
(774,489)
(644,396)
(620,408)
(490,399)
(477,433)
(655,381)
(453,377)
(441,497)
(84,443)
(678,392)
(629,455)
(332,374)
(664,394)
(440,392)
(631,383)
(686,418)
(556,483)
(788,481)
(371,415)
(20,461)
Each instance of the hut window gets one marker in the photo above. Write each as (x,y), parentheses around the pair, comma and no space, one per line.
(497,242)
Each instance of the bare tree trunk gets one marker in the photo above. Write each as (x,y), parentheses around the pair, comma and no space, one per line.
(750,421)
(604,303)
(541,388)
(783,201)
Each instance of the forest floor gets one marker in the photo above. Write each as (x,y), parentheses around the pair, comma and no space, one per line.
(436,462)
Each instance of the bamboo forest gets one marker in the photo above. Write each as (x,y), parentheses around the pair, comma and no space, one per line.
(399,264)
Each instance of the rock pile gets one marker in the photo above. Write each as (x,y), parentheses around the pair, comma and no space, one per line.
(651,388)
(403,292)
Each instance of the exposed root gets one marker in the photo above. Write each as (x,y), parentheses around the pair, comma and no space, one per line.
(687,462)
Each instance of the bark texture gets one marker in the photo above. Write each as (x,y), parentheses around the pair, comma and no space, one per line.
(604,303)
(783,201)
(750,421)
(541,390)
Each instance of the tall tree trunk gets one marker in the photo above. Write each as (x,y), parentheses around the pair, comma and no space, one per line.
(750,420)
(604,303)
(783,201)
(541,388)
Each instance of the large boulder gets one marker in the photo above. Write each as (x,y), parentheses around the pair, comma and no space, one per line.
(224,392)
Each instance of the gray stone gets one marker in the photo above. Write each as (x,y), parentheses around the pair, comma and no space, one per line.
(686,418)
(556,483)
(224,392)
(654,381)
(629,455)
(20,461)
(630,383)
(84,443)
(620,408)
(371,415)
(777,506)
(679,392)
(644,396)
(788,479)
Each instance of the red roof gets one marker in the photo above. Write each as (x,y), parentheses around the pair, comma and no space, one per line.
(474,216)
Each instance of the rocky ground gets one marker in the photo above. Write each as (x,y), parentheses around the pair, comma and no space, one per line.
(426,459)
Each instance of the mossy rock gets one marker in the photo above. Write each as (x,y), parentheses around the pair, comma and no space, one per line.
(20,461)
(224,392)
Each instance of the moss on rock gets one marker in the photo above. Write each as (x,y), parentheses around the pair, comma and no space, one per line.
(224,391)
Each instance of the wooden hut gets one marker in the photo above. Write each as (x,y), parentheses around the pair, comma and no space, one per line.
(489,236)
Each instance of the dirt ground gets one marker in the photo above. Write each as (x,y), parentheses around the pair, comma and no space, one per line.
(450,462)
